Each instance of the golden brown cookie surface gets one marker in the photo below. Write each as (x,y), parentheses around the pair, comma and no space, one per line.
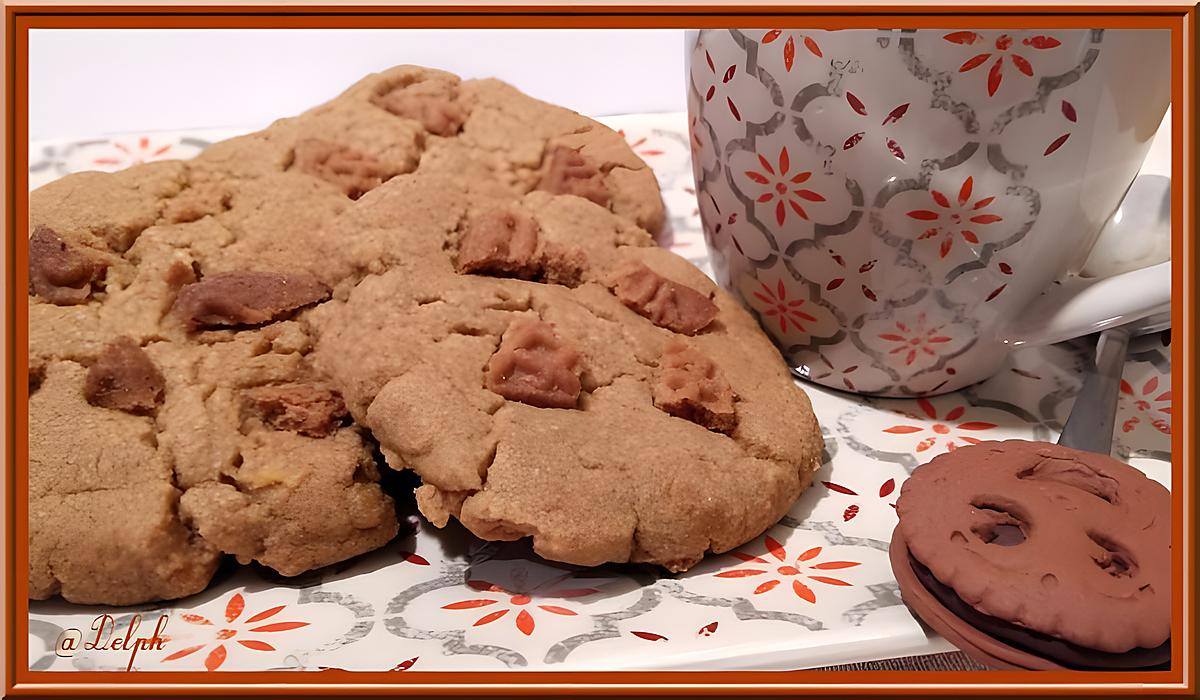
(228,283)
(557,407)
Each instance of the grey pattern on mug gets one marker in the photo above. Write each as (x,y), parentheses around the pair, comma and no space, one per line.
(984,257)
(940,81)
(1048,85)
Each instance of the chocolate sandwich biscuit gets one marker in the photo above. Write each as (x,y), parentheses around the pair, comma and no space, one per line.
(1058,555)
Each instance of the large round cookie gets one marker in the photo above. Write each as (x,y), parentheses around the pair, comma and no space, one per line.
(550,408)
(550,373)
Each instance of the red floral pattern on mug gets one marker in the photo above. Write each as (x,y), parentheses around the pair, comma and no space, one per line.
(1004,46)
(721,80)
(960,219)
(1068,112)
(917,338)
(829,369)
(232,628)
(777,306)
(848,364)
(782,187)
(857,272)
(695,142)
(799,572)
(895,115)
(789,46)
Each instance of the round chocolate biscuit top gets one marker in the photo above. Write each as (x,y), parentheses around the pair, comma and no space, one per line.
(1070,544)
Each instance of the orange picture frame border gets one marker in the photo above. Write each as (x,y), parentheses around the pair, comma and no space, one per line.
(1180,19)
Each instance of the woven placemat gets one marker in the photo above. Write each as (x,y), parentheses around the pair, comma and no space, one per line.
(949,661)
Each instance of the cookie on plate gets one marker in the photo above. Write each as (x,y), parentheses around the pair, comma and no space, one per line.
(550,373)
(1032,555)
(175,310)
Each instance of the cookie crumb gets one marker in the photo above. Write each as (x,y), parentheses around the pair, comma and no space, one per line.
(534,366)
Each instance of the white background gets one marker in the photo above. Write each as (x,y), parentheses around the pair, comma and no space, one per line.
(87,82)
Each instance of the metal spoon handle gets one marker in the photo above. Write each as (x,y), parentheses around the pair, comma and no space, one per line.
(1090,425)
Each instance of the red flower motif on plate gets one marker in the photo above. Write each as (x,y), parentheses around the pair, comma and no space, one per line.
(639,145)
(940,429)
(782,188)
(953,219)
(518,602)
(232,628)
(781,308)
(885,489)
(1148,399)
(803,567)
(133,153)
(1004,47)
(789,46)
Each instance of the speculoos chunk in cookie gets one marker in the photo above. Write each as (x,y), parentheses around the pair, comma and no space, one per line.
(246,298)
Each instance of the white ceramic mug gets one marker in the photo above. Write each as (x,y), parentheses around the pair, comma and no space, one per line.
(897,206)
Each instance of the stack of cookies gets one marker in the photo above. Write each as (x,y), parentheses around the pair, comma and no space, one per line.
(424,273)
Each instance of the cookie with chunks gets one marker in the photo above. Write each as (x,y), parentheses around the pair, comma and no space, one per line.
(170,303)
(171,289)
(550,373)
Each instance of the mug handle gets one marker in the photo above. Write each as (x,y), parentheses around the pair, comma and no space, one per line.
(1080,306)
